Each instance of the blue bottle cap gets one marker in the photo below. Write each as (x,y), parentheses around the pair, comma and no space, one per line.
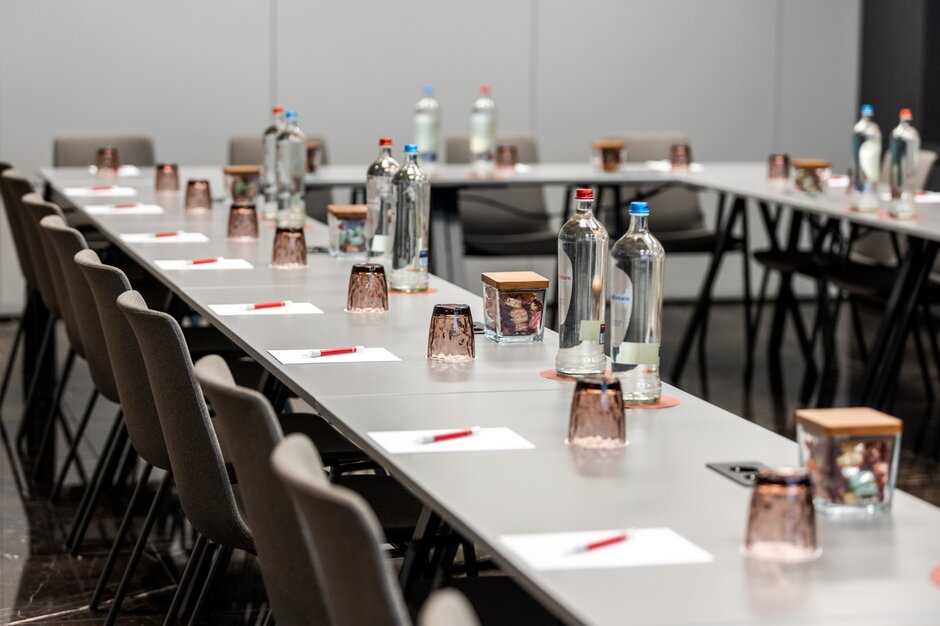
(428,90)
(639,208)
(868,110)
(411,148)
(291,115)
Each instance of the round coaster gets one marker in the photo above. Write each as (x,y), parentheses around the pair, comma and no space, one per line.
(935,576)
(413,293)
(554,375)
(664,403)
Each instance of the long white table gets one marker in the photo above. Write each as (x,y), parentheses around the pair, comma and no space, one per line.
(871,572)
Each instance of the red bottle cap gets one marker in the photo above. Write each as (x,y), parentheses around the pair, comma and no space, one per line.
(278,110)
(906,114)
(584,194)
(385,141)
(485,90)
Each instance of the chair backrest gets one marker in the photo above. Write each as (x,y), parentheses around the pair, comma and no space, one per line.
(34,208)
(245,150)
(500,211)
(673,209)
(447,607)
(13,186)
(130,373)
(249,430)
(346,536)
(66,242)
(80,150)
(195,457)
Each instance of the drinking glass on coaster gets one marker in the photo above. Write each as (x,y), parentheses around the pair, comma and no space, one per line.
(290,248)
(314,155)
(450,336)
(781,524)
(507,157)
(597,419)
(368,290)
(778,167)
(198,196)
(680,156)
(242,222)
(167,177)
(106,161)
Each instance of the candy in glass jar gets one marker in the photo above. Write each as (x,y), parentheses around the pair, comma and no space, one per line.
(347,223)
(514,306)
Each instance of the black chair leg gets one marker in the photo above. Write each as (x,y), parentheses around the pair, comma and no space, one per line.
(120,537)
(49,427)
(138,549)
(12,456)
(185,582)
(199,578)
(113,448)
(219,566)
(34,382)
(11,360)
(72,453)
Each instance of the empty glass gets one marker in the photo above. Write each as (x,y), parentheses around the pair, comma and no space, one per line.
(781,525)
(290,249)
(778,167)
(106,161)
(597,419)
(167,177)
(680,156)
(198,196)
(242,222)
(507,157)
(607,154)
(368,290)
(450,337)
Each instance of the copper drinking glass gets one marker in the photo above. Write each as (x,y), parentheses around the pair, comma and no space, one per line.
(781,524)
(242,222)
(778,167)
(597,418)
(290,249)
(167,177)
(450,336)
(198,196)
(368,290)
(608,154)
(680,156)
(106,161)
(314,155)
(506,157)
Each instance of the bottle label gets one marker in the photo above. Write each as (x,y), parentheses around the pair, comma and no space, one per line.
(482,133)
(426,132)
(869,155)
(621,303)
(591,330)
(564,286)
(423,259)
(379,244)
(631,353)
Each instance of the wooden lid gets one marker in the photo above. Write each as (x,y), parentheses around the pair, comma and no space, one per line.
(348,210)
(608,143)
(849,421)
(241,170)
(515,280)
(812,163)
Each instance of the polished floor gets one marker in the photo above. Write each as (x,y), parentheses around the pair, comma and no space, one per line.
(41,583)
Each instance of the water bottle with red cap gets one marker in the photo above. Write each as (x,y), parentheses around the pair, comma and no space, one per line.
(483,133)
(269,165)
(582,265)
(380,200)
(905,151)
(428,130)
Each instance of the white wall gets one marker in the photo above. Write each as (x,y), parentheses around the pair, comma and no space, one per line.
(742,78)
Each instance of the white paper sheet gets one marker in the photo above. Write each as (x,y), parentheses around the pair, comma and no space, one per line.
(123,170)
(224,264)
(644,547)
(409,441)
(180,237)
(297,357)
(109,192)
(666,166)
(137,209)
(926,197)
(294,308)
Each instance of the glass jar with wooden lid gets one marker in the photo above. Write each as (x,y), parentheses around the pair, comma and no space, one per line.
(812,175)
(514,306)
(348,233)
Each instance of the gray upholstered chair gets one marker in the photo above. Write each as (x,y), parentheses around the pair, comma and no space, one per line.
(80,150)
(504,221)
(347,538)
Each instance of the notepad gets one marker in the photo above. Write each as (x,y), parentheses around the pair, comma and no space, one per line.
(923,197)
(181,237)
(136,209)
(294,308)
(409,441)
(100,192)
(123,170)
(186,264)
(302,357)
(644,547)
(666,166)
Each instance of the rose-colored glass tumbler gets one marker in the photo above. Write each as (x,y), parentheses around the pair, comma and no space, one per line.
(198,196)
(242,222)
(290,249)
(597,418)
(167,177)
(507,157)
(368,289)
(680,156)
(608,154)
(781,524)
(314,155)
(106,161)
(778,167)
(450,336)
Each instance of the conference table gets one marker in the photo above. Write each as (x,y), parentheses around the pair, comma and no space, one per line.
(872,570)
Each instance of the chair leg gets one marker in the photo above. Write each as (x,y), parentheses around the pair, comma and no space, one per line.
(49,427)
(922,358)
(138,549)
(120,537)
(199,578)
(219,566)
(71,455)
(14,460)
(11,360)
(113,447)
(34,380)
(185,581)
(859,330)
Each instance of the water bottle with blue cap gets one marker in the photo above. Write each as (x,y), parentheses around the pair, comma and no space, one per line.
(411,191)
(637,262)
(428,129)
(866,160)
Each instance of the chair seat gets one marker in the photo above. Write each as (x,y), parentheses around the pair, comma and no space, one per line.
(334,448)
(803,262)
(395,507)
(496,600)
(692,240)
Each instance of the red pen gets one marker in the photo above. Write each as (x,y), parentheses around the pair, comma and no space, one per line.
(126,205)
(168,234)
(266,305)
(457,434)
(313,354)
(103,188)
(205,261)
(603,543)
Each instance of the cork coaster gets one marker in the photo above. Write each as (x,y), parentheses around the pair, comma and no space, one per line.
(413,293)
(665,402)
(935,576)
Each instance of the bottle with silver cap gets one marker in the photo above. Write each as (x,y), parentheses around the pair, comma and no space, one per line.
(412,197)
(269,166)
(866,160)
(428,130)
(905,152)
(483,133)
(379,199)
(291,168)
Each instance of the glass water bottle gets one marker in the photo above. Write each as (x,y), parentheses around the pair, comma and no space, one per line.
(269,169)
(412,196)
(483,133)
(866,161)
(291,168)
(380,200)
(905,151)
(428,130)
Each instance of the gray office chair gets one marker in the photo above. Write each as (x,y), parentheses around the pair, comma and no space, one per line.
(504,221)
(358,580)
(447,607)
(80,150)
